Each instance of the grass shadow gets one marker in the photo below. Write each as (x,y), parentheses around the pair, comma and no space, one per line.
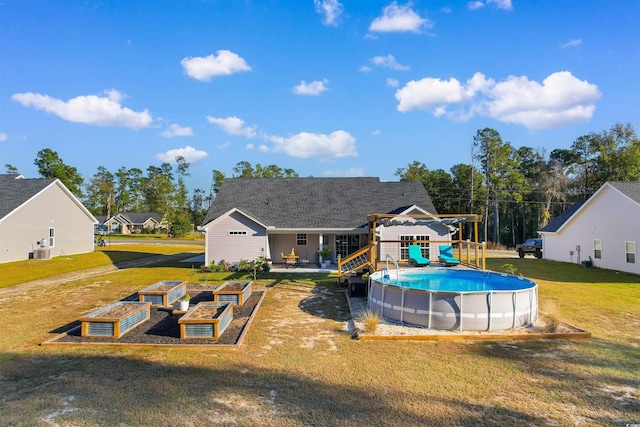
(122,390)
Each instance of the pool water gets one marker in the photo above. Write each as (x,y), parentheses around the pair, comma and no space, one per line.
(448,280)
(453,298)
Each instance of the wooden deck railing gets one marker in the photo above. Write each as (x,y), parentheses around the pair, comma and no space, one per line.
(470,254)
(358,260)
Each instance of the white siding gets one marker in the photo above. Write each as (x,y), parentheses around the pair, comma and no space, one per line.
(233,248)
(21,230)
(437,233)
(609,216)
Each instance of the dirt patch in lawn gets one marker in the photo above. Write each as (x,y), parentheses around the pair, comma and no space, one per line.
(162,328)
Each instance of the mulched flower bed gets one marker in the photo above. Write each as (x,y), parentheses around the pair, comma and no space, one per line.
(162,328)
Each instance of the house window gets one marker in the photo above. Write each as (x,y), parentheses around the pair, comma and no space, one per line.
(406,241)
(630,250)
(52,237)
(301,239)
(597,249)
(237,233)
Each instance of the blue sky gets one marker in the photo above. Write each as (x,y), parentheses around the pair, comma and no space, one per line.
(325,87)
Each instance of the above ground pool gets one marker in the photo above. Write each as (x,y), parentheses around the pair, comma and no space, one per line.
(453,298)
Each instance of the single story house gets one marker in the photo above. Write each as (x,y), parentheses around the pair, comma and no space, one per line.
(270,216)
(40,218)
(129,222)
(605,229)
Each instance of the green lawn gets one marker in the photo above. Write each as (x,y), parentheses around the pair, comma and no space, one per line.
(299,366)
(12,273)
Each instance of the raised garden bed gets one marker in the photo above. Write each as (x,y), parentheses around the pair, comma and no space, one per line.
(164,293)
(162,329)
(233,292)
(206,320)
(115,319)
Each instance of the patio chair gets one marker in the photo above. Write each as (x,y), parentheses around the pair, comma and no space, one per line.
(304,261)
(446,256)
(415,256)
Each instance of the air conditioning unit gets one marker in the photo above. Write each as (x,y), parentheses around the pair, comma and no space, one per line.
(42,253)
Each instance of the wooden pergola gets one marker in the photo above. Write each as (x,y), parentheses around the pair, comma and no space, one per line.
(471,253)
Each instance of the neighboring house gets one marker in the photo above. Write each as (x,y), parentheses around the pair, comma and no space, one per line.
(251,217)
(41,218)
(604,229)
(129,222)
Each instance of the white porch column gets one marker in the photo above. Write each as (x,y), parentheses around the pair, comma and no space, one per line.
(320,246)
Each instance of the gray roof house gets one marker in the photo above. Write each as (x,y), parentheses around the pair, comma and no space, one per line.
(41,216)
(129,222)
(272,216)
(605,229)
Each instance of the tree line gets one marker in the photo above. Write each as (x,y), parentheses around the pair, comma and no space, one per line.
(517,191)
(160,189)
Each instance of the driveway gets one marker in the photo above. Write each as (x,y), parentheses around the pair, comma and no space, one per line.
(46,282)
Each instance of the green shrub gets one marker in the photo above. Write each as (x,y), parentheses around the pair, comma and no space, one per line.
(180,226)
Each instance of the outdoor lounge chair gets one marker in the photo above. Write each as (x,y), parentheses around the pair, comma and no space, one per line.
(415,256)
(446,256)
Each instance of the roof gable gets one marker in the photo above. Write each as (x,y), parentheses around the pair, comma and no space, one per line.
(137,217)
(15,191)
(316,202)
(627,189)
(556,223)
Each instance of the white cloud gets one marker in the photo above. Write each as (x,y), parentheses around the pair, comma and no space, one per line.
(177,130)
(393,82)
(376,132)
(91,109)
(233,126)
(337,144)
(190,154)
(397,18)
(561,99)
(365,69)
(388,62)
(314,88)
(224,145)
(571,43)
(501,4)
(330,9)
(429,93)
(204,68)
(352,172)
(305,145)
(3,136)
(498,4)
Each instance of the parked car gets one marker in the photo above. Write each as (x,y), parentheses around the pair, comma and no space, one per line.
(100,229)
(530,246)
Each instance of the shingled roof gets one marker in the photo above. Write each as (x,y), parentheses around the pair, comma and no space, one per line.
(316,202)
(139,217)
(630,189)
(15,190)
(557,222)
